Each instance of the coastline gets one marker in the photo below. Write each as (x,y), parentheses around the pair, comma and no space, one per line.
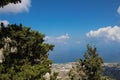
(110,69)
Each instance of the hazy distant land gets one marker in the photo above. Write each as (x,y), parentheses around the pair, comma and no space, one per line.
(110,69)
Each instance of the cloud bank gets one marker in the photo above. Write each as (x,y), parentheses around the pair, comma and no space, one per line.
(118,10)
(16,8)
(106,33)
(57,39)
(5,22)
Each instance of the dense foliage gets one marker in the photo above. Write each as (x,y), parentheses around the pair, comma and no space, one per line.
(89,68)
(25,53)
(5,2)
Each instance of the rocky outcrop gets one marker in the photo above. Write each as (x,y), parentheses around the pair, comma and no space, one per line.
(1,55)
(63,70)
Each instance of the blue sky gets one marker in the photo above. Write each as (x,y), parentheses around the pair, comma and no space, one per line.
(71,25)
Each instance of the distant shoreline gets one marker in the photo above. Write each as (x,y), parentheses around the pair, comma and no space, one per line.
(115,63)
(110,69)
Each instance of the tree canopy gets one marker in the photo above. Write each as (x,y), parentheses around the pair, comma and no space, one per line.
(25,53)
(5,2)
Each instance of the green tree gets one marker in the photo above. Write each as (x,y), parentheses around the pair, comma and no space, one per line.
(89,68)
(5,2)
(25,53)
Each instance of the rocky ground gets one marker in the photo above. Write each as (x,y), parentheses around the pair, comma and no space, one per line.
(111,69)
(62,69)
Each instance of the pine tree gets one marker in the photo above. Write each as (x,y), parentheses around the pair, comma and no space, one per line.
(25,53)
(89,68)
(5,2)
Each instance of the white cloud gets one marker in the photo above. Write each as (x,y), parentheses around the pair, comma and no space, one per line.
(118,10)
(63,37)
(106,33)
(5,22)
(16,8)
(57,39)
